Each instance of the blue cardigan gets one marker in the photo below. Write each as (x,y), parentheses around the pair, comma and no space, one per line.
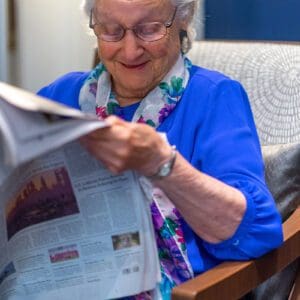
(213,128)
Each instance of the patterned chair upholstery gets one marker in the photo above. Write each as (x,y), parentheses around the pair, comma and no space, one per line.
(270,73)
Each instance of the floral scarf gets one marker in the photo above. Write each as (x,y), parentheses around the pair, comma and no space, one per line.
(96,96)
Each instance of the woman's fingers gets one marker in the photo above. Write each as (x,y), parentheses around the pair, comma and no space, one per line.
(123,146)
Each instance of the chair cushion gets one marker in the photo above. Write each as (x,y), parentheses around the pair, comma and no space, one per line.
(282,172)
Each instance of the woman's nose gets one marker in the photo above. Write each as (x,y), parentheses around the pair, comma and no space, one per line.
(132,46)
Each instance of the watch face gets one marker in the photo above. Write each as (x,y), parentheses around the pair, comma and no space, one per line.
(164,171)
(166,168)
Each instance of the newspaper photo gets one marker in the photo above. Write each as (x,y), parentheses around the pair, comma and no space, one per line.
(69,228)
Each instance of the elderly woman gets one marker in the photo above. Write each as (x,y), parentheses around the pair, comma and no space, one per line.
(210,200)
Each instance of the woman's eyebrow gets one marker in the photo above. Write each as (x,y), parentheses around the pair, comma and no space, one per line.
(150,16)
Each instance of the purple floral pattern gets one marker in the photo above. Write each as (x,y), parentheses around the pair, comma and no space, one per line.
(165,112)
(101,112)
(168,235)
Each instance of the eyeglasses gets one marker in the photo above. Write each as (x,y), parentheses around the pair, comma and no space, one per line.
(148,32)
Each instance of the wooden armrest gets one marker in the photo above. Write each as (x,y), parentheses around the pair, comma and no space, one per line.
(232,280)
(295,294)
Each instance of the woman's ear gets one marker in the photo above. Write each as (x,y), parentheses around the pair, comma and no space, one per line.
(183,35)
(184,40)
(183,24)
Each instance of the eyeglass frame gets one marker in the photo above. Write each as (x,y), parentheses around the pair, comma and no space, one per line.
(167,25)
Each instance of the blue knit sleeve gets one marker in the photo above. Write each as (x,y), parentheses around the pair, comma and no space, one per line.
(65,89)
(229,150)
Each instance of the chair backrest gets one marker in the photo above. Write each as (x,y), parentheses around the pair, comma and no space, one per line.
(270,73)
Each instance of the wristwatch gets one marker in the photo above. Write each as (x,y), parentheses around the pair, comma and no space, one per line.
(166,168)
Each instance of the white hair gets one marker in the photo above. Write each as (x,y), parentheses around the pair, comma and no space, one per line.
(186,11)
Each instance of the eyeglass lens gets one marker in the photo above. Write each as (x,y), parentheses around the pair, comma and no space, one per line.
(151,31)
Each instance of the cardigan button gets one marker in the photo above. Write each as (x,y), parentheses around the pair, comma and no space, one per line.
(236,242)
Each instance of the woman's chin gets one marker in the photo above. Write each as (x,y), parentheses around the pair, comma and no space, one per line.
(135,87)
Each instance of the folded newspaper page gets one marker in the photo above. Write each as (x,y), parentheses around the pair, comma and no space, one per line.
(32,126)
(69,229)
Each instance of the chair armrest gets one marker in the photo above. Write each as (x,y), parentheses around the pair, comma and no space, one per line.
(295,293)
(232,280)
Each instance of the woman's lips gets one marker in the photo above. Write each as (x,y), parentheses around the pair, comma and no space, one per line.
(135,66)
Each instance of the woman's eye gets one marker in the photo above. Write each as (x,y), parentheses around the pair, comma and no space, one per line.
(112,29)
(149,28)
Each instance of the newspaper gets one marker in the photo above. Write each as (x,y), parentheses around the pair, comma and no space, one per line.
(69,229)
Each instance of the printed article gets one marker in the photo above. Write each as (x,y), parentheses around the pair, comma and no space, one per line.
(69,229)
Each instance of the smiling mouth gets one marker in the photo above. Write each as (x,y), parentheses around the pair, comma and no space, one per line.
(136,66)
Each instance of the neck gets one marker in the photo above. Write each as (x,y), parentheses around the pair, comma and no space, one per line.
(126,98)
(126,101)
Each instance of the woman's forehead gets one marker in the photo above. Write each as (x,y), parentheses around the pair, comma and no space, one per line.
(141,2)
(131,4)
(124,11)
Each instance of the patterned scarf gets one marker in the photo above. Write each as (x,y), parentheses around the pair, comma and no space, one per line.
(96,96)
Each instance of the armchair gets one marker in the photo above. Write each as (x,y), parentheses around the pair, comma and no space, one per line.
(270,73)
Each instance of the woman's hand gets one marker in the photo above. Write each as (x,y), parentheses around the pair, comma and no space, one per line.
(128,146)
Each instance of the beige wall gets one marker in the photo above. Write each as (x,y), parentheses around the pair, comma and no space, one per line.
(51,40)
